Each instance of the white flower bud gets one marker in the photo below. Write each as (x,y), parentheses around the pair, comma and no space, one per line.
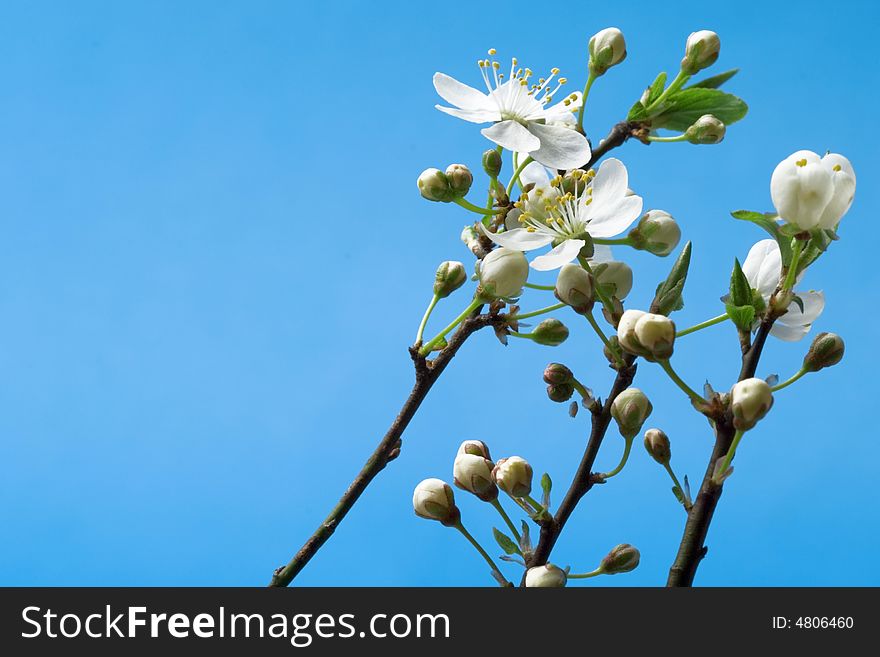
(434,186)
(460,179)
(546,576)
(812,192)
(574,286)
(707,129)
(646,334)
(657,232)
(473,473)
(622,559)
(657,444)
(700,51)
(626,334)
(513,475)
(615,276)
(503,273)
(607,48)
(630,409)
(750,400)
(450,276)
(477,447)
(433,499)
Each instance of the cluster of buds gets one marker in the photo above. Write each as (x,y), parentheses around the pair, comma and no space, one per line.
(646,334)
(513,475)
(658,446)
(657,232)
(559,380)
(546,576)
(750,401)
(433,499)
(825,351)
(450,276)
(574,287)
(472,470)
(630,409)
(811,192)
(700,51)
(708,129)
(607,48)
(435,185)
(503,273)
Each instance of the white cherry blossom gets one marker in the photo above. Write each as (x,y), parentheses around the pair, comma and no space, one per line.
(812,192)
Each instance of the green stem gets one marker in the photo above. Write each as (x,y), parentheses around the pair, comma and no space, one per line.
(592,320)
(681,137)
(678,485)
(731,452)
(667,367)
(479,548)
(623,459)
(467,205)
(676,84)
(515,177)
(623,241)
(787,383)
(791,274)
(425,317)
(602,298)
(497,504)
(476,303)
(702,325)
(580,387)
(592,573)
(524,336)
(534,503)
(590,80)
(541,287)
(535,313)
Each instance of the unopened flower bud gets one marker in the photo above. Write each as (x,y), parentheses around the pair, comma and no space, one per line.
(474,474)
(546,576)
(434,186)
(560,392)
(607,48)
(826,351)
(476,447)
(557,373)
(513,475)
(750,400)
(492,163)
(707,129)
(550,333)
(701,51)
(646,334)
(622,559)
(574,287)
(460,179)
(657,232)
(811,192)
(433,499)
(450,276)
(657,444)
(630,409)
(503,273)
(615,276)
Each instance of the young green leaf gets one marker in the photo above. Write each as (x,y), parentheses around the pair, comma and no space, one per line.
(740,290)
(742,316)
(669,293)
(638,111)
(715,81)
(684,107)
(505,542)
(546,486)
(767,222)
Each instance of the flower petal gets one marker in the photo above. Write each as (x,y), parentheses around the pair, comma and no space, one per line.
(474,116)
(512,136)
(459,94)
(763,267)
(561,255)
(611,181)
(608,221)
(534,172)
(560,112)
(560,147)
(814,304)
(789,333)
(518,239)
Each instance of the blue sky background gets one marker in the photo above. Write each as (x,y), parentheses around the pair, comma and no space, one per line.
(213,256)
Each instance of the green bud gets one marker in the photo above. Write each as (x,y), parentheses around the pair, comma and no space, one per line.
(550,333)
(574,287)
(701,51)
(826,351)
(657,444)
(434,186)
(622,559)
(450,276)
(607,48)
(460,179)
(560,392)
(557,373)
(492,163)
(630,409)
(706,130)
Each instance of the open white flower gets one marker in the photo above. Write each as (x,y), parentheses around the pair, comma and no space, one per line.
(601,206)
(524,119)
(763,269)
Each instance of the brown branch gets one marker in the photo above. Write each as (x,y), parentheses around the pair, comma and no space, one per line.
(693,542)
(616,137)
(583,480)
(427,373)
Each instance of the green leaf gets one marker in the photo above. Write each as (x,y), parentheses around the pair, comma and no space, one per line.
(546,486)
(740,290)
(742,316)
(767,221)
(715,81)
(505,542)
(637,112)
(669,293)
(684,107)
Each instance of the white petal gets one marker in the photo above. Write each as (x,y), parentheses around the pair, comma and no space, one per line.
(534,172)
(561,255)
(459,94)
(512,136)
(611,181)
(562,112)
(518,239)
(608,221)
(814,304)
(602,253)
(763,267)
(789,333)
(474,116)
(560,147)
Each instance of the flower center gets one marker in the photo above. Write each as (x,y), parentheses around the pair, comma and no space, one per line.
(564,214)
